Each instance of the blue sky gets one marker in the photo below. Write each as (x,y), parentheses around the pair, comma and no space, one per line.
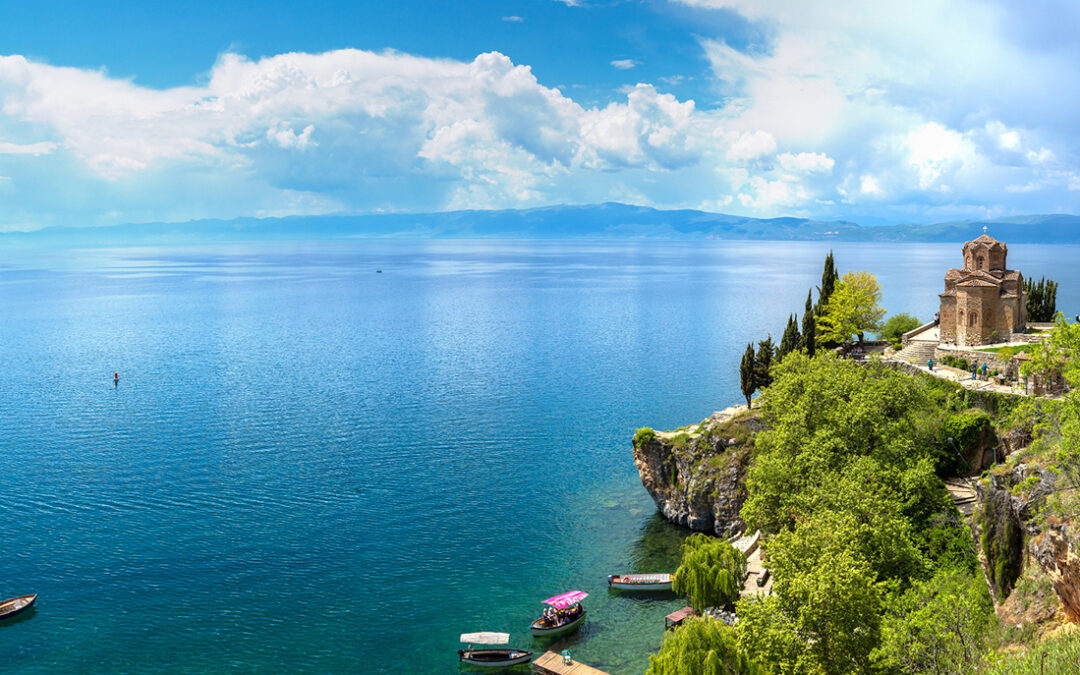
(900,112)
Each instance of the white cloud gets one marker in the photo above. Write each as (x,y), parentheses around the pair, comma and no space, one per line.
(39,148)
(624,64)
(868,185)
(806,162)
(513,19)
(750,145)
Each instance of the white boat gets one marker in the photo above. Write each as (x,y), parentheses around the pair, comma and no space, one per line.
(640,582)
(567,617)
(492,657)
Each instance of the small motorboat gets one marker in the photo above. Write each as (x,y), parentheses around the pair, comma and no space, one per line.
(491,658)
(10,608)
(566,616)
(640,582)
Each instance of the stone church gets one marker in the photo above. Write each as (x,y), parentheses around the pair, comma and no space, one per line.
(984,302)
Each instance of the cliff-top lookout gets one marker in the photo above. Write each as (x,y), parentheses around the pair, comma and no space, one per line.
(983,301)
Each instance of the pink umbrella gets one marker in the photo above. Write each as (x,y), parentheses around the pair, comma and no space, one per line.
(566,599)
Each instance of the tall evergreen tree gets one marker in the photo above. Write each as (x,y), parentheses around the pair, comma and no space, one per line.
(1041,299)
(763,363)
(829,277)
(809,328)
(789,342)
(747,380)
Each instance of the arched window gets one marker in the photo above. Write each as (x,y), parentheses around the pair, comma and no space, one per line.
(973,318)
(981,260)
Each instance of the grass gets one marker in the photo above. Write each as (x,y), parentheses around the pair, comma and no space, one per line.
(1058,654)
(1007,351)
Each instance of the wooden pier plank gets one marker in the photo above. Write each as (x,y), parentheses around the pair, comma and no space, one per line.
(551,663)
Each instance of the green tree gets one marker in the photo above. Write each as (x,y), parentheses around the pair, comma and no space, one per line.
(747,381)
(937,626)
(829,278)
(898,324)
(1041,299)
(1059,356)
(853,308)
(763,363)
(789,342)
(702,647)
(809,328)
(711,572)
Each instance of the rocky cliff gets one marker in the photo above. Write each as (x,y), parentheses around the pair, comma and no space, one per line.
(1022,537)
(696,475)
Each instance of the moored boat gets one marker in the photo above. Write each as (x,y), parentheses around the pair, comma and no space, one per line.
(640,582)
(492,657)
(9,608)
(566,615)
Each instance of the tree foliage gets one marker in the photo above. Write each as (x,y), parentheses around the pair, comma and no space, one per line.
(747,381)
(853,309)
(711,572)
(702,647)
(898,324)
(809,328)
(829,277)
(763,363)
(937,626)
(844,485)
(1059,356)
(790,340)
(1041,299)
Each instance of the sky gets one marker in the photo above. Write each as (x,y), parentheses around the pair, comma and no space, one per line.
(875,112)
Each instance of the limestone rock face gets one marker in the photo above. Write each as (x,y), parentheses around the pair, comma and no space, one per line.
(1057,553)
(697,475)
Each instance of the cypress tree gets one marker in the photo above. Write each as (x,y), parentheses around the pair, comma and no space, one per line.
(829,278)
(763,363)
(809,328)
(746,373)
(790,340)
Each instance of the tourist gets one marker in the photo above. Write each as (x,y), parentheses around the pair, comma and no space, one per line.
(984,371)
(973,369)
(930,364)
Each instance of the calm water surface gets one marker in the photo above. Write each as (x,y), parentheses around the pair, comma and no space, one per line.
(308,466)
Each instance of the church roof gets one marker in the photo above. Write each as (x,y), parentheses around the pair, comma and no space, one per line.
(984,239)
(976,282)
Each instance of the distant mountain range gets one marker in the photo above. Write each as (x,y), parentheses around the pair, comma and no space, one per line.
(604,221)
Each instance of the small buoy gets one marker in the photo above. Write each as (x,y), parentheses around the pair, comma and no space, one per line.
(378,271)
(116,377)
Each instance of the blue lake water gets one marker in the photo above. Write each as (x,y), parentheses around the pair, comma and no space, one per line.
(308,466)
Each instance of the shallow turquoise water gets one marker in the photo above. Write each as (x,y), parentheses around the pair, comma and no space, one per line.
(311,467)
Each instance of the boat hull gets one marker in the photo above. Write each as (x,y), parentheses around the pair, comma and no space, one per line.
(494,658)
(16,606)
(557,631)
(640,587)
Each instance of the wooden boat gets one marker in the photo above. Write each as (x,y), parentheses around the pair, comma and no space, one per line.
(10,608)
(568,617)
(491,658)
(640,582)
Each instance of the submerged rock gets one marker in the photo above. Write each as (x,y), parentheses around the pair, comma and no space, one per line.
(697,474)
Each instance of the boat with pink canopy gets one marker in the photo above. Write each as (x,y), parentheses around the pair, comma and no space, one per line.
(565,616)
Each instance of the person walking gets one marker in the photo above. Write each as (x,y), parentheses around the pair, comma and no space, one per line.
(930,365)
(984,371)
(974,367)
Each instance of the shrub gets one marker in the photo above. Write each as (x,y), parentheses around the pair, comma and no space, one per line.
(643,437)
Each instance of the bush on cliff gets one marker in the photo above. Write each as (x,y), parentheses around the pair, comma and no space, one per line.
(643,437)
(711,572)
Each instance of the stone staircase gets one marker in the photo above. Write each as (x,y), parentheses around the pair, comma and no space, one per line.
(917,352)
(963,495)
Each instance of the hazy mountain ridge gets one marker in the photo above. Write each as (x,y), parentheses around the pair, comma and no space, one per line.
(605,221)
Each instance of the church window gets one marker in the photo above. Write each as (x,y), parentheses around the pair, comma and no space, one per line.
(980,262)
(973,318)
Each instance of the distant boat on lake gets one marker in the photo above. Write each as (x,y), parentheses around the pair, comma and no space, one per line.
(10,608)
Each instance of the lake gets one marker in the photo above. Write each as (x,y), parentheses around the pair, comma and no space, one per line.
(311,466)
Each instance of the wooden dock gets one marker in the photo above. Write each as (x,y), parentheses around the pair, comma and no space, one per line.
(552,664)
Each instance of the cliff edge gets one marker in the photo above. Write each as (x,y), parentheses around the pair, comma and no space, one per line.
(697,474)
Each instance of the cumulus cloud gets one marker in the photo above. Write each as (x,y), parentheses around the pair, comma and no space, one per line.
(624,64)
(806,162)
(40,148)
(513,19)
